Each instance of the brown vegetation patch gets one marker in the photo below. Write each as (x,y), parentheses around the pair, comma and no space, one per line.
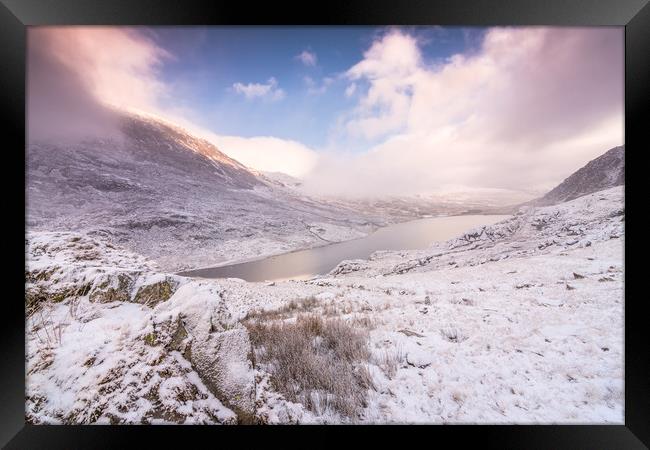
(319,363)
(287,310)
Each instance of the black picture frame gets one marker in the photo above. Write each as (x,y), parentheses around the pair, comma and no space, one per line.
(16,15)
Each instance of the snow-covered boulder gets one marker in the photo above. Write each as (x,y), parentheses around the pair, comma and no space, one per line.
(83,282)
(419,358)
(218,346)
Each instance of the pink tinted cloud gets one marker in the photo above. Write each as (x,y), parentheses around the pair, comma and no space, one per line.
(567,80)
(74,72)
(528,108)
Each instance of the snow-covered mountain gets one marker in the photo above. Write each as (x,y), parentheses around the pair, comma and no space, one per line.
(282,179)
(606,171)
(520,321)
(517,322)
(173,197)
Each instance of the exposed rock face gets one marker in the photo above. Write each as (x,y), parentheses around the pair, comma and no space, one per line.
(114,287)
(348,266)
(221,358)
(218,346)
(71,265)
(606,171)
(154,292)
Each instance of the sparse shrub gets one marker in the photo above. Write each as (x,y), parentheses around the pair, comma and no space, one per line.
(453,334)
(73,308)
(390,360)
(331,309)
(36,296)
(319,363)
(301,305)
(458,397)
(48,333)
(363,321)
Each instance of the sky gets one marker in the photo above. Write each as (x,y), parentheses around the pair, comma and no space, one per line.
(349,108)
(288,81)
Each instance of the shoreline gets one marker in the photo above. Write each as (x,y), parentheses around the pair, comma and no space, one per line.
(186,273)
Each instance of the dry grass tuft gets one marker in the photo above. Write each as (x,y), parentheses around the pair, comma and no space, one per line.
(364,321)
(390,361)
(48,332)
(319,363)
(289,309)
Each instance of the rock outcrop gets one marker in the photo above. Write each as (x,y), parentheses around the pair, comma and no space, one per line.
(170,317)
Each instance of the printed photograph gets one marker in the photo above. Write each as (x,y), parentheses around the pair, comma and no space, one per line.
(324,225)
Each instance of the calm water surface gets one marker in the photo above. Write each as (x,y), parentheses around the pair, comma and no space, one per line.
(303,264)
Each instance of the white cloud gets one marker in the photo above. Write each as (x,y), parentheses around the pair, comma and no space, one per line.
(524,111)
(266,153)
(350,90)
(390,66)
(307,58)
(269,90)
(315,88)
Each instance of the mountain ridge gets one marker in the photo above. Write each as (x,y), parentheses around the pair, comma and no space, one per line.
(173,197)
(603,172)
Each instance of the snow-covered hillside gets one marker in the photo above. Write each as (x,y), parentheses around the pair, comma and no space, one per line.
(521,321)
(161,192)
(165,194)
(608,170)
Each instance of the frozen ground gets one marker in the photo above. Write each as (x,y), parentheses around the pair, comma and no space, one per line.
(519,322)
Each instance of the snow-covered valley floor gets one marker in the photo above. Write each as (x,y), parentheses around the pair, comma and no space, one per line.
(518,322)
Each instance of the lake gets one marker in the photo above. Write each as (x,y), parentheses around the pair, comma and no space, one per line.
(304,264)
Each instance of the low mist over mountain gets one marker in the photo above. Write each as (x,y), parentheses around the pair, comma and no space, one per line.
(174,197)
(179,200)
(606,171)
